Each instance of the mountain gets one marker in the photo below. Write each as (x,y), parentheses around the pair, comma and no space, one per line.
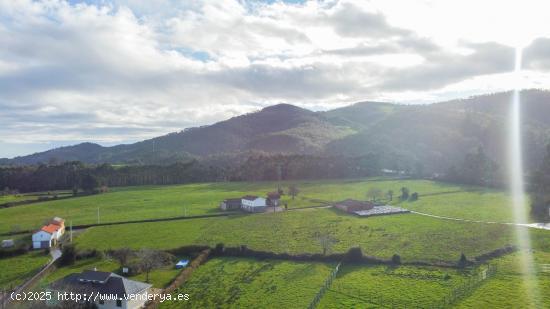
(430,137)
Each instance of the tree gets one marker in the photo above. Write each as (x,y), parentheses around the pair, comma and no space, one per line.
(123,256)
(326,241)
(389,195)
(463,261)
(89,183)
(413,197)
(293,191)
(540,190)
(374,193)
(404,193)
(151,259)
(68,255)
(396,259)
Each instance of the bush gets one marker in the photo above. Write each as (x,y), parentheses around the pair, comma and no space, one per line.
(463,261)
(396,259)
(413,197)
(68,256)
(354,255)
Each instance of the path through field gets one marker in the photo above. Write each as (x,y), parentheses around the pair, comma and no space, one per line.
(544,226)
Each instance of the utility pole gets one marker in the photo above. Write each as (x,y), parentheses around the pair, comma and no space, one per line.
(71,231)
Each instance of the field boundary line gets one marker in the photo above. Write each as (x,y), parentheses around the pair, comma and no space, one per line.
(325,287)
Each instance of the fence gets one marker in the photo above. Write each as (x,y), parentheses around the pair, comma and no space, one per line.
(325,287)
(468,287)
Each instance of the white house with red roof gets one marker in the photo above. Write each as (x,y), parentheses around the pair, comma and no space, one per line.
(49,235)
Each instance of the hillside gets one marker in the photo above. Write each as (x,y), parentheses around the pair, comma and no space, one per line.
(403,136)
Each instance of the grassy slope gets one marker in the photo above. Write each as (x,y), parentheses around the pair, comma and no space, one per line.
(508,289)
(486,205)
(412,236)
(247,283)
(15,270)
(401,287)
(133,203)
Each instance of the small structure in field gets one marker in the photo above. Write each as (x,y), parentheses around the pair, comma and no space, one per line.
(182,264)
(252,203)
(381,211)
(231,204)
(351,206)
(273,199)
(116,291)
(7,243)
(49,235)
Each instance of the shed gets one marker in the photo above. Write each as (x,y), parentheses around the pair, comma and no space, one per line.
(7,243)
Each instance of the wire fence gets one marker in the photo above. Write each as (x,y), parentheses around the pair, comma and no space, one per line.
(468,287)
(325,287)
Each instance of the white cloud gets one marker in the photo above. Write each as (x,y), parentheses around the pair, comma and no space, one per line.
(124,70)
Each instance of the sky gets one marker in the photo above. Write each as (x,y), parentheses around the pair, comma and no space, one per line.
(119,71)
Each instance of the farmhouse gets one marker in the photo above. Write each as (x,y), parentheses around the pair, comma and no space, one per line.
(253,203)
(49,235)
(231,203)
(351,206)
(112,290)
(273,199)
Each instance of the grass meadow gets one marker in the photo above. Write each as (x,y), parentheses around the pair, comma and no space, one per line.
(414,237)
(392,287)
(148,202)
(510,287)
(15,270)
(248,283)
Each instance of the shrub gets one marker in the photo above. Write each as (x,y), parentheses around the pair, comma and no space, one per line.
(396,259)
(68,256)
(354,255)
(463,261)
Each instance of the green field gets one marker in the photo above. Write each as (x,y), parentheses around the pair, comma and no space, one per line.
(253,283)
(510,287)
(247,283)
(399,287)
(15,270)
(487,205)
(147,202)
(159,277)
(9,198)
(414,237)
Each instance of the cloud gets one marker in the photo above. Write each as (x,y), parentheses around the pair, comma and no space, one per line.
(125,70)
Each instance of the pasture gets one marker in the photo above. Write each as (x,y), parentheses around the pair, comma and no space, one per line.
(248,283)
(16,270)
(414,237)
(150,202)
(393,287)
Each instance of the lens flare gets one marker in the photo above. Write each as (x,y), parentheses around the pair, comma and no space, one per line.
(517,188)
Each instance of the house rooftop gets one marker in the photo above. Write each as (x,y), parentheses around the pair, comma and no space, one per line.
(99,282)
(50,228)
(250,197)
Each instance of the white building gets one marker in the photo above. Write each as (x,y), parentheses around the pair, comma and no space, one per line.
(49,235)
(253,203)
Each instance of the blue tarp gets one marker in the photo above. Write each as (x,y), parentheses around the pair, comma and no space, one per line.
(182,263)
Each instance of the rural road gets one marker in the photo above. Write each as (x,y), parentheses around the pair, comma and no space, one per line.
(543,226)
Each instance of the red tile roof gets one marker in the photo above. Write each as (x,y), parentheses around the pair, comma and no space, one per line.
(51,228)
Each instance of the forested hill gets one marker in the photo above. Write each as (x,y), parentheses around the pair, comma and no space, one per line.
(403,137)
